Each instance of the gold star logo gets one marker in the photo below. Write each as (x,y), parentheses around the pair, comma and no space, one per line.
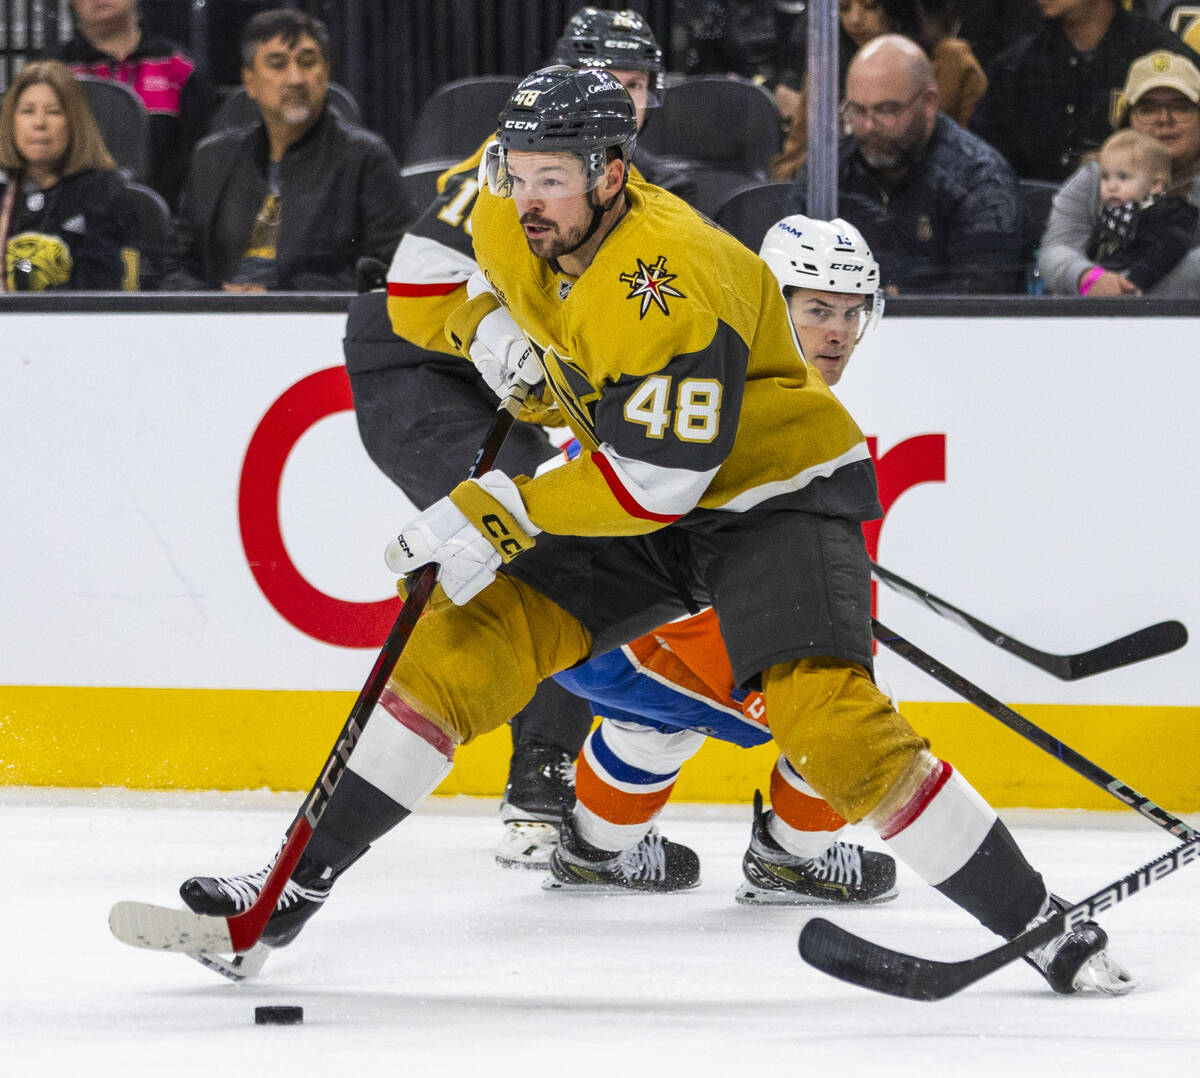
(652,284)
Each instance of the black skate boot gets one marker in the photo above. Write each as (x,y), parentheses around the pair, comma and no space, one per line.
(225,896)
(540,790)
(844,873)
(1078,959)
(655,864)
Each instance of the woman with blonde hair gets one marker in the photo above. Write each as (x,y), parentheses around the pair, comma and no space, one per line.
(64,214)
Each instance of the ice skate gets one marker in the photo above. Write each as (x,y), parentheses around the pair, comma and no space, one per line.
(844,873)
(655,864)
(1079,959)
(540,789)
(225,896)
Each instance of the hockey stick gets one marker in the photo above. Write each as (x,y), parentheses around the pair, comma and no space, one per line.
(1016,722)
(1145,643)
(241,967)
(159,928)
(851,958)
(858,961)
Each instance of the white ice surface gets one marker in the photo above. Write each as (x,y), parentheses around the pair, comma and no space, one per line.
(430,960)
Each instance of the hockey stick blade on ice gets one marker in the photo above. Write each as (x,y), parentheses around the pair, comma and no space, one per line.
(1147,643)
(241,967)
(161,928)
(851,958)
(858,961)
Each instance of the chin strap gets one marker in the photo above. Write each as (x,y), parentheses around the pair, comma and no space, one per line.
(598,212)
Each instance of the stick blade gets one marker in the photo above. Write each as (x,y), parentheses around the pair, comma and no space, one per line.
(1147,643)
(857,961)
(158,928)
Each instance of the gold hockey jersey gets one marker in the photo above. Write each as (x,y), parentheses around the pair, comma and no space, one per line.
(676,365)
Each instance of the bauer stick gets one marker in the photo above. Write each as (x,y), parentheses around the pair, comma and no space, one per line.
(859,961)
(1142,644)
(144,925)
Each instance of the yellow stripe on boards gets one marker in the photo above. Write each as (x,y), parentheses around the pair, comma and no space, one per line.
(247,739)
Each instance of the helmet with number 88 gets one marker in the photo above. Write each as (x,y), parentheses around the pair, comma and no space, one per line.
(827,256)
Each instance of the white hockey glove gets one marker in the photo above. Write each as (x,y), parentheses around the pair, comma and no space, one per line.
(469,533)
(499,349)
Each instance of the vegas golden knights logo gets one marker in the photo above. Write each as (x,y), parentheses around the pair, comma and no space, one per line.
(651,284)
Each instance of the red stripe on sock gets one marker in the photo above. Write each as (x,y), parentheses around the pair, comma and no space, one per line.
(927,791)
(413,720)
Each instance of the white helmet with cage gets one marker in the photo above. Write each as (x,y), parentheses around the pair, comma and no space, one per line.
(828,256)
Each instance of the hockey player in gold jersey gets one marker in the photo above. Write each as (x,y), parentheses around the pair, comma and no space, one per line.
(717,468)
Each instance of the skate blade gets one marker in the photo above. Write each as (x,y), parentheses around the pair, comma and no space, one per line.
(552,883)
(1104,974)
(526,844)
(750,895)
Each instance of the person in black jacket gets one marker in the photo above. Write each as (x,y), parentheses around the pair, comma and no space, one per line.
(65,217)
(1052,96)
(938,206)
(110,43)
(294,201)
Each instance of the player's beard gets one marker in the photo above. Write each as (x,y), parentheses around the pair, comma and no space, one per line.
(555,242)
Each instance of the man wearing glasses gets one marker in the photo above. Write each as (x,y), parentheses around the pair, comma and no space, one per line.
(937,205)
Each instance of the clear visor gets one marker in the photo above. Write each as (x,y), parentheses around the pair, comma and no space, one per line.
(872,313)
(645,87)
(538,176)
(865,314)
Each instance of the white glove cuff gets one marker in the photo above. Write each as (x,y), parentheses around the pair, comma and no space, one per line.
(504,490)
(497,332)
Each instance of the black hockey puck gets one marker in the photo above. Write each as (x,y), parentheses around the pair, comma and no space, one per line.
(278,1016)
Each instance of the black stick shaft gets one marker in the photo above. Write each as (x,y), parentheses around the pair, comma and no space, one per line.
(1016,722)
(1145,643)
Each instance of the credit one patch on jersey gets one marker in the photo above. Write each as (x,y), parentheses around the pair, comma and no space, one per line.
(652,284)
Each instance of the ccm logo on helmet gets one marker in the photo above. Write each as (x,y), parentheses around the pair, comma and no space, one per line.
(850,266)
(520,125)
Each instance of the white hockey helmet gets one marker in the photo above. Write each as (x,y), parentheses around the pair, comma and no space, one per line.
(828,256)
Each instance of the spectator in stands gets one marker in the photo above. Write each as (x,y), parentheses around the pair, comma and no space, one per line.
(1050,96)
(990,26)
(179,96)
(294,201)
(959,77)
(938,206)
(64,214)
(1161,98)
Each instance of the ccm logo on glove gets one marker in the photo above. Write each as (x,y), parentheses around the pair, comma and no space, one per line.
(508,546)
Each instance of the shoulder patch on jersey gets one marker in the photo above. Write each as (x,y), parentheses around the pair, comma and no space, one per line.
(651,284)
